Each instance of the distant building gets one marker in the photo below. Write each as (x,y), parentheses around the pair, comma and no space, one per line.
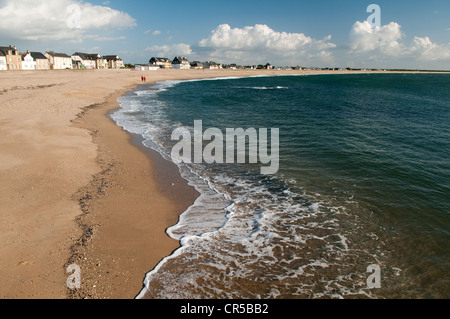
(42,63)
(113,62)
(59,61)
(181,63)
(28,62)
(13,58)
(210,65)
(102,63)
(163,63)
(3,66)
(146,67)
(231,66)
(87,61)
(197,65)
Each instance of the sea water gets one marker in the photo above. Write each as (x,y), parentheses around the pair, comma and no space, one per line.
(363,181)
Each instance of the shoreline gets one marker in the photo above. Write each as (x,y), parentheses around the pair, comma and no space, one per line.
(78,188)
(112,250)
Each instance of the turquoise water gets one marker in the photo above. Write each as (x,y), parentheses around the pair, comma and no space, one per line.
(364,178)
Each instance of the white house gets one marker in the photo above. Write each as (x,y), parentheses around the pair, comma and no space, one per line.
(181,63)
(210,65)
(146,67)
(42,62)
(85,60)
(163,63)
(197,65)
(28,62)
(3,65)
(59,61)
(113,62)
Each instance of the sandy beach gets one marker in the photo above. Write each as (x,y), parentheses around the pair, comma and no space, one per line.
(76,188)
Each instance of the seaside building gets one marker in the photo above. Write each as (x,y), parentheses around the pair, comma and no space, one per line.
(197,65)
(181,63)
(113,62)
(28,62)
(231,66)
(42,63)
(3,66)
(87,61)
(59,61)
(13,58)
(146,67)
(210,65)
(102,63)
(163,63)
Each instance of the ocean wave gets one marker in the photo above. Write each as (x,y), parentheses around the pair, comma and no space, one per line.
(254,236)
(241,226)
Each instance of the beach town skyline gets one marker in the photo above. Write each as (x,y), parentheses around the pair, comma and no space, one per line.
(13,59)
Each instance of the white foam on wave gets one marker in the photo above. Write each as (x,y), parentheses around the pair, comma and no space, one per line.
(239,230)
(268,87)
(260,235)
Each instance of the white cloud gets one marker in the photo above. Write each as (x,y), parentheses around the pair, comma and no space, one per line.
(385,39)
(385,42)
(155,32)
(262,41)
(104,39)
(424,49)
(57,19)
(169,50)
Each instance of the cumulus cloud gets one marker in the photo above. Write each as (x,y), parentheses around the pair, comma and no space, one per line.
(57,19)
(386,41)
(169,50)
(261,40)
(424,49)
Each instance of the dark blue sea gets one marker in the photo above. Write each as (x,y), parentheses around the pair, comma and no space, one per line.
(363,179)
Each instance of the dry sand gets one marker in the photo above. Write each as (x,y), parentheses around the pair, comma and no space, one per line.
(76,188)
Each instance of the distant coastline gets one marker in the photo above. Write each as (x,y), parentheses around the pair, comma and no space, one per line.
(12,59)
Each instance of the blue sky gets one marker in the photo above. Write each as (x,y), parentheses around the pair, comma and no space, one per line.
(413,34)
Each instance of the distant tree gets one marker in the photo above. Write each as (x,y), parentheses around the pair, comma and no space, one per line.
(129,66)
